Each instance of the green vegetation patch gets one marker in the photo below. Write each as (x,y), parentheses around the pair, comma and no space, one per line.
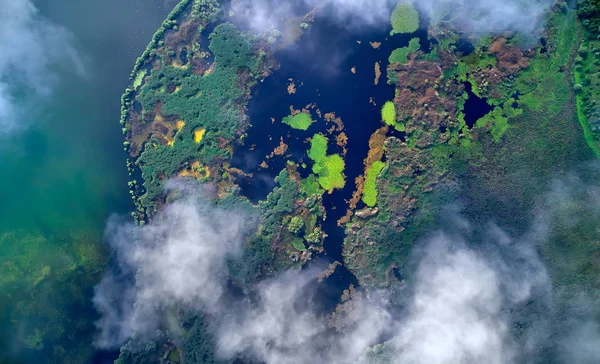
(328,168)
(139,78)
(300,121)
(330,171)
(370,189)
(388,113)
(400,55)
(310,185)
(497,119)
(318,147)
(404,19)
(587,76)
(211,102)
(298,243)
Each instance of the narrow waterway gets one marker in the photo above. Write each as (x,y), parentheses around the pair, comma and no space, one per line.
(60,179)
(333,68)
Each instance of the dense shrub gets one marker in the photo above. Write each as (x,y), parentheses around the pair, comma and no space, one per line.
(400,55)
(404,19)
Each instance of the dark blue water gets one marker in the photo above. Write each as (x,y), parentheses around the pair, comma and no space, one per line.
(320,64)
(475,107)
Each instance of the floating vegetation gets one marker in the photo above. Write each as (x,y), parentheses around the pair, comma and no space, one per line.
(318,147)
(400,55)
(300,121)
(388,113)
(404,19)
(370,187)
(328,168)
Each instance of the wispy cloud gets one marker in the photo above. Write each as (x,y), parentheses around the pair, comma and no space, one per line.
(456,312)
(32,51)
(473,17)
(179,258)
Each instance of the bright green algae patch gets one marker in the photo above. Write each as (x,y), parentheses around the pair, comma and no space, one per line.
(388,113)
(400,55)
(370,189)
(404,19)
(328,168)
(330,171)
(318,147)
(300,121)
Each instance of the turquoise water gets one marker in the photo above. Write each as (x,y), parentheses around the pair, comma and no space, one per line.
(61,178)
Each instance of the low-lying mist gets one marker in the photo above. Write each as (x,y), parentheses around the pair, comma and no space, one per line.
(31,50)
(470,298)
(473,17)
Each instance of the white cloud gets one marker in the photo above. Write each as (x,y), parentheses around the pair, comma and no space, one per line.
(455,311)
(179,258)
(474,17)
(31,50)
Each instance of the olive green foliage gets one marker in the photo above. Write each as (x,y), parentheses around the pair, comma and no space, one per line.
(279,204)
(300,121)
(400,55)
(370,188)
(139,78)
(404,19)
(212,102)
(206,11)
(544,136)
(310,185)
(315,236)
(290,199)
(298,244)
(329,168)
(589,13)
(587,76)
(296,225)
(497,119)
(388,113)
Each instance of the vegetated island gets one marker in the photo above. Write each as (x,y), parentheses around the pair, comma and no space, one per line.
(185,113)
(531,94)
(183,116)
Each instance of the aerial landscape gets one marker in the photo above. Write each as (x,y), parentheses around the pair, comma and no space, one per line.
(300,181)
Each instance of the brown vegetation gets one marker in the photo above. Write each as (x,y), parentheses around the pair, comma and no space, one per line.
(376,144)
(377,73)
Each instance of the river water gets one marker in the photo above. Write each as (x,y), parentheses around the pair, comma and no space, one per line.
(61,178)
